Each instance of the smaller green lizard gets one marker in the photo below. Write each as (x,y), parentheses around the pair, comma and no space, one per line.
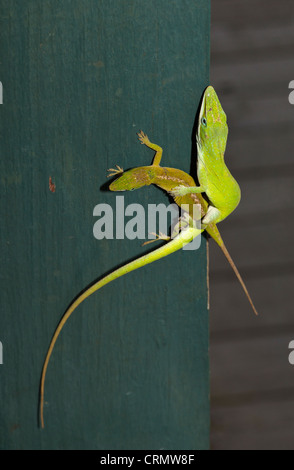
(215,180)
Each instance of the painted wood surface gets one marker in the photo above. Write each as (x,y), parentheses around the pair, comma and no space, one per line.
(80,78)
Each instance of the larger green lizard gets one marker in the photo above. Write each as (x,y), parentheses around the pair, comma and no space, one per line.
(215,180)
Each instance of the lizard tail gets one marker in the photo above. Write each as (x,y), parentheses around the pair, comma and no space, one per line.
(234,267)
(214,233)
(177,243)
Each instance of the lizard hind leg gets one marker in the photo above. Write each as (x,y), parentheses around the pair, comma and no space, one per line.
(212,216)
(184,222)
(161,236)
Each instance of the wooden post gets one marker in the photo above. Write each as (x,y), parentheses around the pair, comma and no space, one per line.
(130,370)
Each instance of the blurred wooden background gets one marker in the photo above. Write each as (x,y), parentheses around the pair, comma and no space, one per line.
(252,382)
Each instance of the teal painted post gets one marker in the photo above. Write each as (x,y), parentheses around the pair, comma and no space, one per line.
(80,78)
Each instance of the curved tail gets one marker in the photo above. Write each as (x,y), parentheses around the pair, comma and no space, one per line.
(177,243)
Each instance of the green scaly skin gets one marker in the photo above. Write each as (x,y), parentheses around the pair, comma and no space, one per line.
(182,187)
(215,179)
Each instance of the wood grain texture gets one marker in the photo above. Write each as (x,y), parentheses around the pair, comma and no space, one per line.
(80,78)
(252,381)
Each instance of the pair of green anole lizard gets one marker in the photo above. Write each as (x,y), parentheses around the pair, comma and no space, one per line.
(216,182)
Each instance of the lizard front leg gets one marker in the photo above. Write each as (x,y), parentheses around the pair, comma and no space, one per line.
(145,141)
(184,190)
(115,171)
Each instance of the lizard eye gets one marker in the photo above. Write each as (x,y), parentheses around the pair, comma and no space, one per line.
(204,122)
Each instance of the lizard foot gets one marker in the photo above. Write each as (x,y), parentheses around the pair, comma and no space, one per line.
(183,223)
(161,236)
(115,171)
(143,138)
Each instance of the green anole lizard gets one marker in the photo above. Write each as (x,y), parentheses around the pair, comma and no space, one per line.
(215,180)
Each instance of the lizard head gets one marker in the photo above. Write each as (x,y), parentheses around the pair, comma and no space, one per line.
(212,124)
